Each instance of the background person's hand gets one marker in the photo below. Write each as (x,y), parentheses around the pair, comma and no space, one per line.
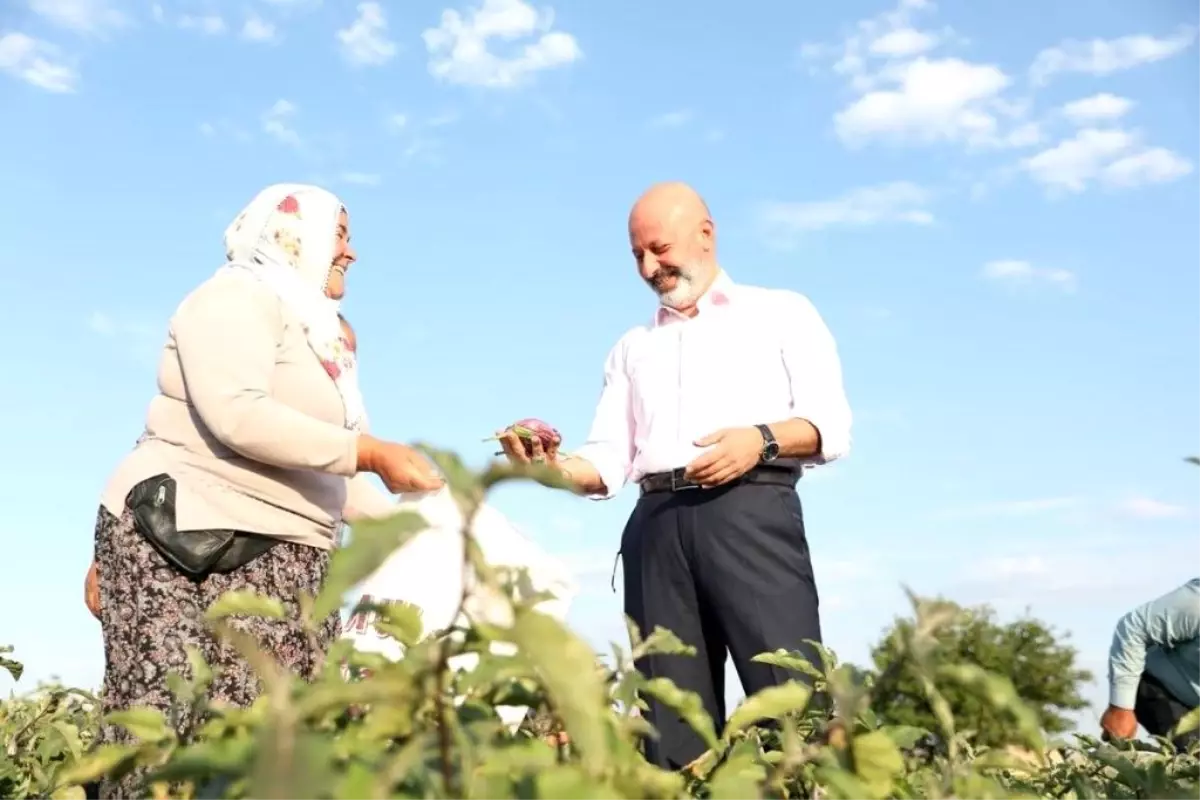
(400,467)
(91,591)
(1119,723)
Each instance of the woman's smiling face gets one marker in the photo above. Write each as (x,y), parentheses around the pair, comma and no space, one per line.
(343,257)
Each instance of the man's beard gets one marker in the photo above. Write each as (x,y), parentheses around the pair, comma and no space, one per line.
(682,293)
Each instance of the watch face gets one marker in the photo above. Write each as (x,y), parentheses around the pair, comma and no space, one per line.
(771,451)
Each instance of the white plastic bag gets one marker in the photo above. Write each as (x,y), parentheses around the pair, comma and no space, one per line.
(427,572)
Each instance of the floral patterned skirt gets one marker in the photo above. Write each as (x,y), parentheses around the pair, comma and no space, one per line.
(150,613)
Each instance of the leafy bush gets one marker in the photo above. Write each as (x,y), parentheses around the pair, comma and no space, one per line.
(425,725)
(1040,664)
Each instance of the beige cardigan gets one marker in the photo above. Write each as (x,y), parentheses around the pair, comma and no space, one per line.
(248,423)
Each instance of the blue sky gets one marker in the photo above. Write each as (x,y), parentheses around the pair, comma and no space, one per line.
(994,207)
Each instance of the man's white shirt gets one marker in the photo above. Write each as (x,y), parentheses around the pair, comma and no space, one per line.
(749,356)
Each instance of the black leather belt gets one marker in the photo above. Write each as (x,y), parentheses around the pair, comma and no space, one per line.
(674,481)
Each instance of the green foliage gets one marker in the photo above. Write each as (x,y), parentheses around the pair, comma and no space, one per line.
(426,727)
(1042,678)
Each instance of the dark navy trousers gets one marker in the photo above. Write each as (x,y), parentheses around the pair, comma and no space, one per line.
(728,570)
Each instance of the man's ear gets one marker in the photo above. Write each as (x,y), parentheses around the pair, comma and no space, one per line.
(708,235)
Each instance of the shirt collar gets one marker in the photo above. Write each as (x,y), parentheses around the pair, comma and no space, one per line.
(717,295)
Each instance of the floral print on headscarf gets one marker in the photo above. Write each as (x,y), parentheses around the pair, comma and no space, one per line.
(286,238)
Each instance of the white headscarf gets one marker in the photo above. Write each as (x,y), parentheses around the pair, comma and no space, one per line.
(286,238)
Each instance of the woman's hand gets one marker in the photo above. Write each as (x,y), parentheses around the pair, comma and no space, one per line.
(91,591)
(401,468)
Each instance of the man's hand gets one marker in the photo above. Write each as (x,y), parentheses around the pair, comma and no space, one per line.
(91,591)
(527,449)
(736,452)
(1119,723)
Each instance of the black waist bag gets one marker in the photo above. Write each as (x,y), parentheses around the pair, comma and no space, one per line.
(194,553)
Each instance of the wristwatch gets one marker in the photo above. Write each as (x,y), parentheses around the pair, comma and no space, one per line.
(770,449)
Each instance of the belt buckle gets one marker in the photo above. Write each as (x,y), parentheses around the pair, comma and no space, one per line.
(676,486)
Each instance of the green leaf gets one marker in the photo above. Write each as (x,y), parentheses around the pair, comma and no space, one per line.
(371,543)
(402,621)
(69,793)
(792,660)
(770,703)
(207,758)
(244,603)
(15,668)
(741,775)
(147,724)
(877,762)
(567,666)
(70,736)
(904,736)
(1000,694)
(686,704)
(661,642)
(102,761)
(291,763)
(464,484)
(1187,723)
(571,783)
(504,472)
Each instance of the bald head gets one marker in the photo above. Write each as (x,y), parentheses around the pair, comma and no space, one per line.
(669,200)
(674,241)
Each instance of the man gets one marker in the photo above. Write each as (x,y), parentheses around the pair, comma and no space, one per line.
(712,408)
(1154,667)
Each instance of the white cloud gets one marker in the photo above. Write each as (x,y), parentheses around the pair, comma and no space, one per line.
(898,202)
(940,100)
(208,24)
(1015,272)
(1097,108)
(1106,56)
(1155,165)
(81,16)
(361,178)
(277,123)
(37,63)
(903,42)
(365,43)
(1143,507)
(460,49)
(396,122)
(907,95)
(1112,156)
(257,29)
(672,119)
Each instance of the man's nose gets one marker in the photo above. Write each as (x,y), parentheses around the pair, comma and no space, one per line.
(648,267)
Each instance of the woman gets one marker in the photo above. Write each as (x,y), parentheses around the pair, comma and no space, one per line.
(240,479)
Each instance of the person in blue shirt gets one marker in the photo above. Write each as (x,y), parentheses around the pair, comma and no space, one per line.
(1154,667)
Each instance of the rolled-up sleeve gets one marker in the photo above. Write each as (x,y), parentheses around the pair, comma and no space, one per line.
(1165,622)
(609,446)
(226,334)
(815,373)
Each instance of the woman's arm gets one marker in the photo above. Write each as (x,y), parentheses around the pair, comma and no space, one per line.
(226,334)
